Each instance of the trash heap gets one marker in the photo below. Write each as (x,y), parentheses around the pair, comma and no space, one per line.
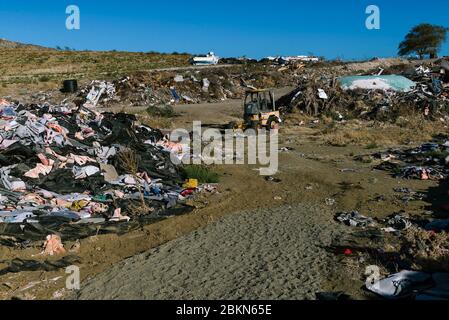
(380,94)
(165,88)
(184,86)
(99,90)
(77,172)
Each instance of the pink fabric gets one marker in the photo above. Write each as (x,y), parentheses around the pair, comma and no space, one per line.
(118,216)
(172,146)
(53,245)
(5,144)
(144,176)
(40,169)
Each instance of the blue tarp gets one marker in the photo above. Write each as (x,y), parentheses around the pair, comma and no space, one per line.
(388,82)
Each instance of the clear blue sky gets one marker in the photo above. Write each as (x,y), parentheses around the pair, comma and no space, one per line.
(329,28)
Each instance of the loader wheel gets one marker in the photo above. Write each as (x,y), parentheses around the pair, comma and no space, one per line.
(273,124)
(232,126)
(256,125)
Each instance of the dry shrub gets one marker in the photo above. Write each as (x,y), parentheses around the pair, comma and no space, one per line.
(348,137)
(406,131)
(155,121)
(428,251)
(420,124)
(128,161)
(295,118)
(351,133)
(139,208)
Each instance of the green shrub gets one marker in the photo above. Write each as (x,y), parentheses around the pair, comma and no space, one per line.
(372,145)
(44,79)
(202,173)
(163,111)
(437,154)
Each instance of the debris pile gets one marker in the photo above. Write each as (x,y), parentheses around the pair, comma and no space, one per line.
(99,90)
(78,172)
(378,95)
(188,86)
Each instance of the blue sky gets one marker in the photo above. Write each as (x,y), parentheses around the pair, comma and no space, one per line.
(230,28)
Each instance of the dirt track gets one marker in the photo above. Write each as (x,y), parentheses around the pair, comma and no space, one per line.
(265,254)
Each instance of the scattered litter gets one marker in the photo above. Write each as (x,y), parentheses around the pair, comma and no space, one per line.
(355,219)
(421,173)
(372,97)
(389,230)
(322,94)
(272,179)
(179,78)
(413,285)
(58,294)
(399,222)
(206,85)
(117,217)
(191,184)
(100,90)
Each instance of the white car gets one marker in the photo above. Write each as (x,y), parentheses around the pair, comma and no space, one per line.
(208,59)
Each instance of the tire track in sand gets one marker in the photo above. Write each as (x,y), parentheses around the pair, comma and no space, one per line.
(263,254)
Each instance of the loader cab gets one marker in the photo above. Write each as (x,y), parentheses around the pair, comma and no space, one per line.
(259,101)
(260,109)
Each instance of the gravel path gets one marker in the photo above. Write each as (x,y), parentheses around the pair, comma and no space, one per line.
(265,254)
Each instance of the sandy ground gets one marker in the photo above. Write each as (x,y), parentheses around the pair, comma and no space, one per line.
(280,227)
(273,253)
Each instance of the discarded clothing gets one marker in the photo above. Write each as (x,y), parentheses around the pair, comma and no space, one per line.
(355,219)
(84,172)
(19,265)
(421,173)
(53,245)
(399,222)
(64,173)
